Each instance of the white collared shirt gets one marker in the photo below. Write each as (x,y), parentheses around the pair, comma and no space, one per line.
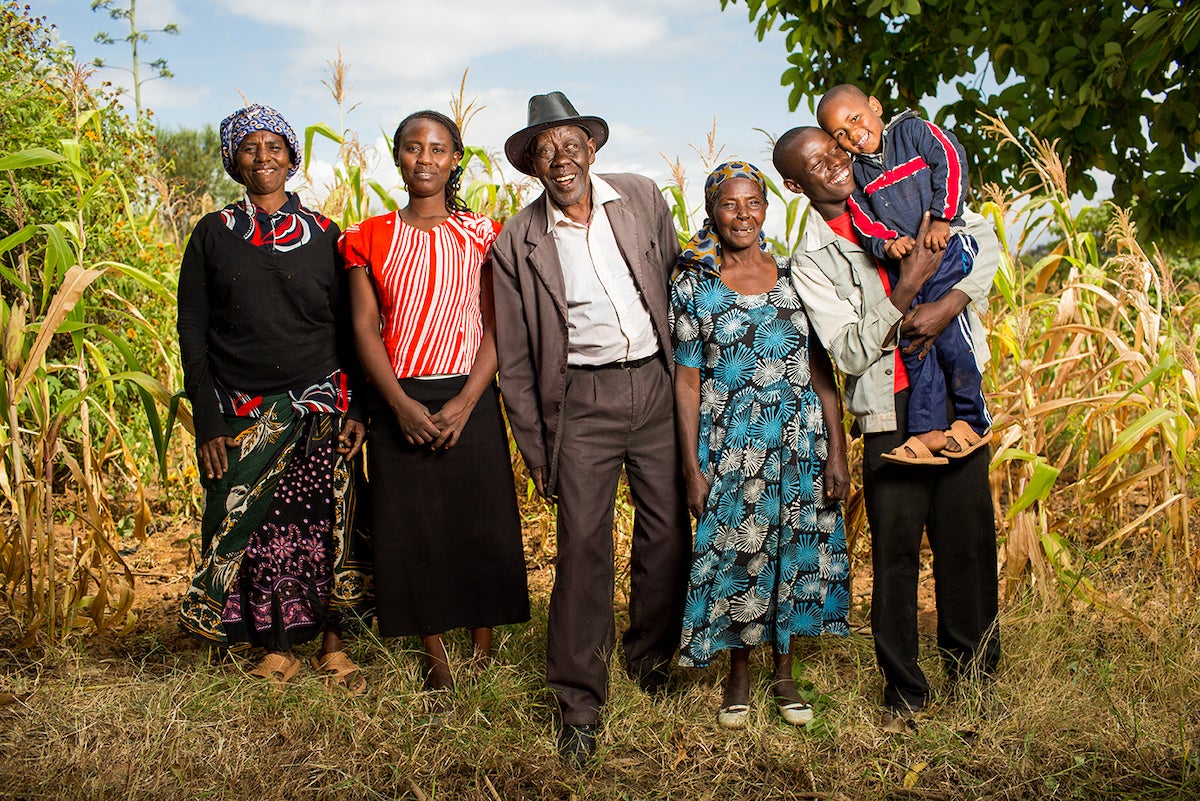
(606,318)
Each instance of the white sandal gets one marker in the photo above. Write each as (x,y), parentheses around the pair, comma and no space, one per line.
(733,716)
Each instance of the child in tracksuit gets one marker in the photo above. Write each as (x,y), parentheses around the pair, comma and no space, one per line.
(902,171)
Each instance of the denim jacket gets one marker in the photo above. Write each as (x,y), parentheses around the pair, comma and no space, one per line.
(848,308)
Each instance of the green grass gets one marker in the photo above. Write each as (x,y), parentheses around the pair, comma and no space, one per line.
(1087,705)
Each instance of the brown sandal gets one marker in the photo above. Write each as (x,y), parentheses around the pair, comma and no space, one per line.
(278,669)
(339,671)
(961,435)
(913,451)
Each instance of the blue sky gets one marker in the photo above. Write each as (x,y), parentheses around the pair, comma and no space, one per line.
(659,71)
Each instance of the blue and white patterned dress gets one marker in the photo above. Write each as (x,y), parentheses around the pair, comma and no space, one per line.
(769,560)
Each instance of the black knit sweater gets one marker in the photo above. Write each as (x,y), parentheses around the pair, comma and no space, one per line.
(259,321)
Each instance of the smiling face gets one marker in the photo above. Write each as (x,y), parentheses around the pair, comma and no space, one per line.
(855,121)
(426,157)
(738,213)
(816,167)
(262,160)
(560,158)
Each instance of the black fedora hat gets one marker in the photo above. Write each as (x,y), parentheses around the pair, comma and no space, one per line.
(545,112)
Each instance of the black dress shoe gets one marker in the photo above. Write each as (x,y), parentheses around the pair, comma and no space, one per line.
(654,682)
(577,743)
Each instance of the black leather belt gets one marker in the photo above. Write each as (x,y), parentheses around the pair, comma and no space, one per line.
(623,365)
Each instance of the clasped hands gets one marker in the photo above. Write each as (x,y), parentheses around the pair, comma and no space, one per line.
(935,237)
(438,431)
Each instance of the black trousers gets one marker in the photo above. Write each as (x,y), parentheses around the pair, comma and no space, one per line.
(953,506)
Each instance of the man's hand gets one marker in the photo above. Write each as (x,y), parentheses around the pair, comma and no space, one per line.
(925,322)
(938,235)
(896,249)
(538,474)
(213,456)
(697,493)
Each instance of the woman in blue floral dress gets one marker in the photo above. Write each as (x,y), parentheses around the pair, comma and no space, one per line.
(764,452)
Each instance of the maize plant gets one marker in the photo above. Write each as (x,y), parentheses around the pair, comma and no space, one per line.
(1095,383)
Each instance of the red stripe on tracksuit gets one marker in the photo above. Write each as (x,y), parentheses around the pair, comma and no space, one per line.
(896,175)
(954,172)
(866,224)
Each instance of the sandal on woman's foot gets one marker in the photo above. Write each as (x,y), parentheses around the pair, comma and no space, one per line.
(339,671)
(733,716)
(278,669)
(913,451)
(961,440)
(797,713)
(439,706)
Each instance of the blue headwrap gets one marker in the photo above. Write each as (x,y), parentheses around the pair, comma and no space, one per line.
(703,251)
(245,121)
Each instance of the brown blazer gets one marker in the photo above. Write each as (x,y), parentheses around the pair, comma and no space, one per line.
(531,306)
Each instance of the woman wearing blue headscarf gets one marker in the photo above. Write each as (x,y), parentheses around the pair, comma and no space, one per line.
(764,452)
(269,366)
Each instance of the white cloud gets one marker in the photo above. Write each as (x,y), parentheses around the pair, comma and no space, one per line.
(151,14)
(163,96)
(416,42)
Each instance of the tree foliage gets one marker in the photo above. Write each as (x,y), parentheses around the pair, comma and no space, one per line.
(1116,82)
(194,179)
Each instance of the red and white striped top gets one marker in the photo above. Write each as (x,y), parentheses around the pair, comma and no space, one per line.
(428,288)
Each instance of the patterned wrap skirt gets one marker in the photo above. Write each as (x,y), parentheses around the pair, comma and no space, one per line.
(283,552)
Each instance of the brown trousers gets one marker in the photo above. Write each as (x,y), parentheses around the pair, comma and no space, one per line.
(612,418)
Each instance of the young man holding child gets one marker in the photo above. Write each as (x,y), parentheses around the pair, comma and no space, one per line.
(856,314)
(901,171)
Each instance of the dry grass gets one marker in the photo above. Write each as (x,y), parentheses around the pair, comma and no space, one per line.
(1095,389)
(1086,706)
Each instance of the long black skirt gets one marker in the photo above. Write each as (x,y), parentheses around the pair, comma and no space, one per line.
(447,534)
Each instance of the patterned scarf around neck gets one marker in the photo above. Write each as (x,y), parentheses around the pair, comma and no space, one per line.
(703,251)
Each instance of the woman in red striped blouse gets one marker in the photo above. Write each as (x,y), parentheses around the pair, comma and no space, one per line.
(447,536)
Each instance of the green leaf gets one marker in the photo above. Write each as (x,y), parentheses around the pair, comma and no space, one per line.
(1128,438)
(142,277)
(73,156)
(33,157)
(87,116)
(471,152)
(59,257)
(135,367)
(17,238)
(388,201)
(168,429)
(311,131)
(8,243)
(1038,488)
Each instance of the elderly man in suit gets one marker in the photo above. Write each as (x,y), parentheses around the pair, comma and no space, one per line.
(584,346)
